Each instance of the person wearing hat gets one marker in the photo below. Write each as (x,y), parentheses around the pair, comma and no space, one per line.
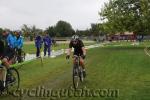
(19,45)
(38,45)
(47,44)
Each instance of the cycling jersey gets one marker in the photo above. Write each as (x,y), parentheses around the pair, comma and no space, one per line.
(77,47)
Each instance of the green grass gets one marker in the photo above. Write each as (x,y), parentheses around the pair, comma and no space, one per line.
(129,43)
(30,48)
(123,68)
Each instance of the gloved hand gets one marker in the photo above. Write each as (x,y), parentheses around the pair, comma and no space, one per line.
(68,56)
(83,56)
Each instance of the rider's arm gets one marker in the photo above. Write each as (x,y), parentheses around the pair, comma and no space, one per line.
(83,48)
(70,48)
(69,51)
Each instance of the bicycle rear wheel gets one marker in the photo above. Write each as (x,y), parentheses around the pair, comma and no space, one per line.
(75,77)
(13,86)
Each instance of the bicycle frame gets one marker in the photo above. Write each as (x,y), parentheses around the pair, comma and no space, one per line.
(77,59)
(77,71)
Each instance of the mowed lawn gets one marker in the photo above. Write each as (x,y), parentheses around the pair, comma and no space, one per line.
(31,49)
(124,68)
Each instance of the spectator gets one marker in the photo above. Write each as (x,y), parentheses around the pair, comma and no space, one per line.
(19,45)
(38,44)
(47,44)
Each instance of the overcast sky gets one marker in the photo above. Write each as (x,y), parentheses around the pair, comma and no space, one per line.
(43,13)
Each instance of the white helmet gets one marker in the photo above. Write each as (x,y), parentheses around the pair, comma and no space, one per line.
(75,37)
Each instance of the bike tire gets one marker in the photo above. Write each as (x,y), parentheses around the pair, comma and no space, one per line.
(11,87)
(81,75)
(75,78)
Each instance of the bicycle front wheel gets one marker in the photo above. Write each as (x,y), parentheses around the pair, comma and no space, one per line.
(75,78)
(14,85)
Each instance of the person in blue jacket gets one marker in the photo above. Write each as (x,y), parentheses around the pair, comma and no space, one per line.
(38,45)
(19,45)
(47,44)
(11,40)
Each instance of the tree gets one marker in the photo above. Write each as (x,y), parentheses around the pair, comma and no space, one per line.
(83,32)
(31,32)
(51,31)
(64,29)
(126,15)
(1,30)
(26,30)
(95,29)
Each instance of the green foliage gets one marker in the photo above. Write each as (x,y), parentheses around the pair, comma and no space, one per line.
(51,31)
(94,29)
(31,31)
(64,28)
(1,30)
(126,15)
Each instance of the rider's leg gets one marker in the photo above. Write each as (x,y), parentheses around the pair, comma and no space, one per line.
(5,62)
(82,63)
(1,74)
(83,67)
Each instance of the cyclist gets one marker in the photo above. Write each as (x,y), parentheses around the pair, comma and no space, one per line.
(79,50)
(19,45)
(7,51)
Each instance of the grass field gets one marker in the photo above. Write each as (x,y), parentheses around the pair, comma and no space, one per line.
(125,68)
(30,48)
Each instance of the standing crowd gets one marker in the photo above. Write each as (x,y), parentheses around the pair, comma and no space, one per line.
(39,41)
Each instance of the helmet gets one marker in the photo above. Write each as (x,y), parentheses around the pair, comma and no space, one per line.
(75,37)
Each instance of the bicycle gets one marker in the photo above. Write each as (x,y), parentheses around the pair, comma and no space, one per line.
(5,82)
(77,72)
(19,58)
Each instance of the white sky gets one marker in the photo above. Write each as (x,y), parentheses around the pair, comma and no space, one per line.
(43,13)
